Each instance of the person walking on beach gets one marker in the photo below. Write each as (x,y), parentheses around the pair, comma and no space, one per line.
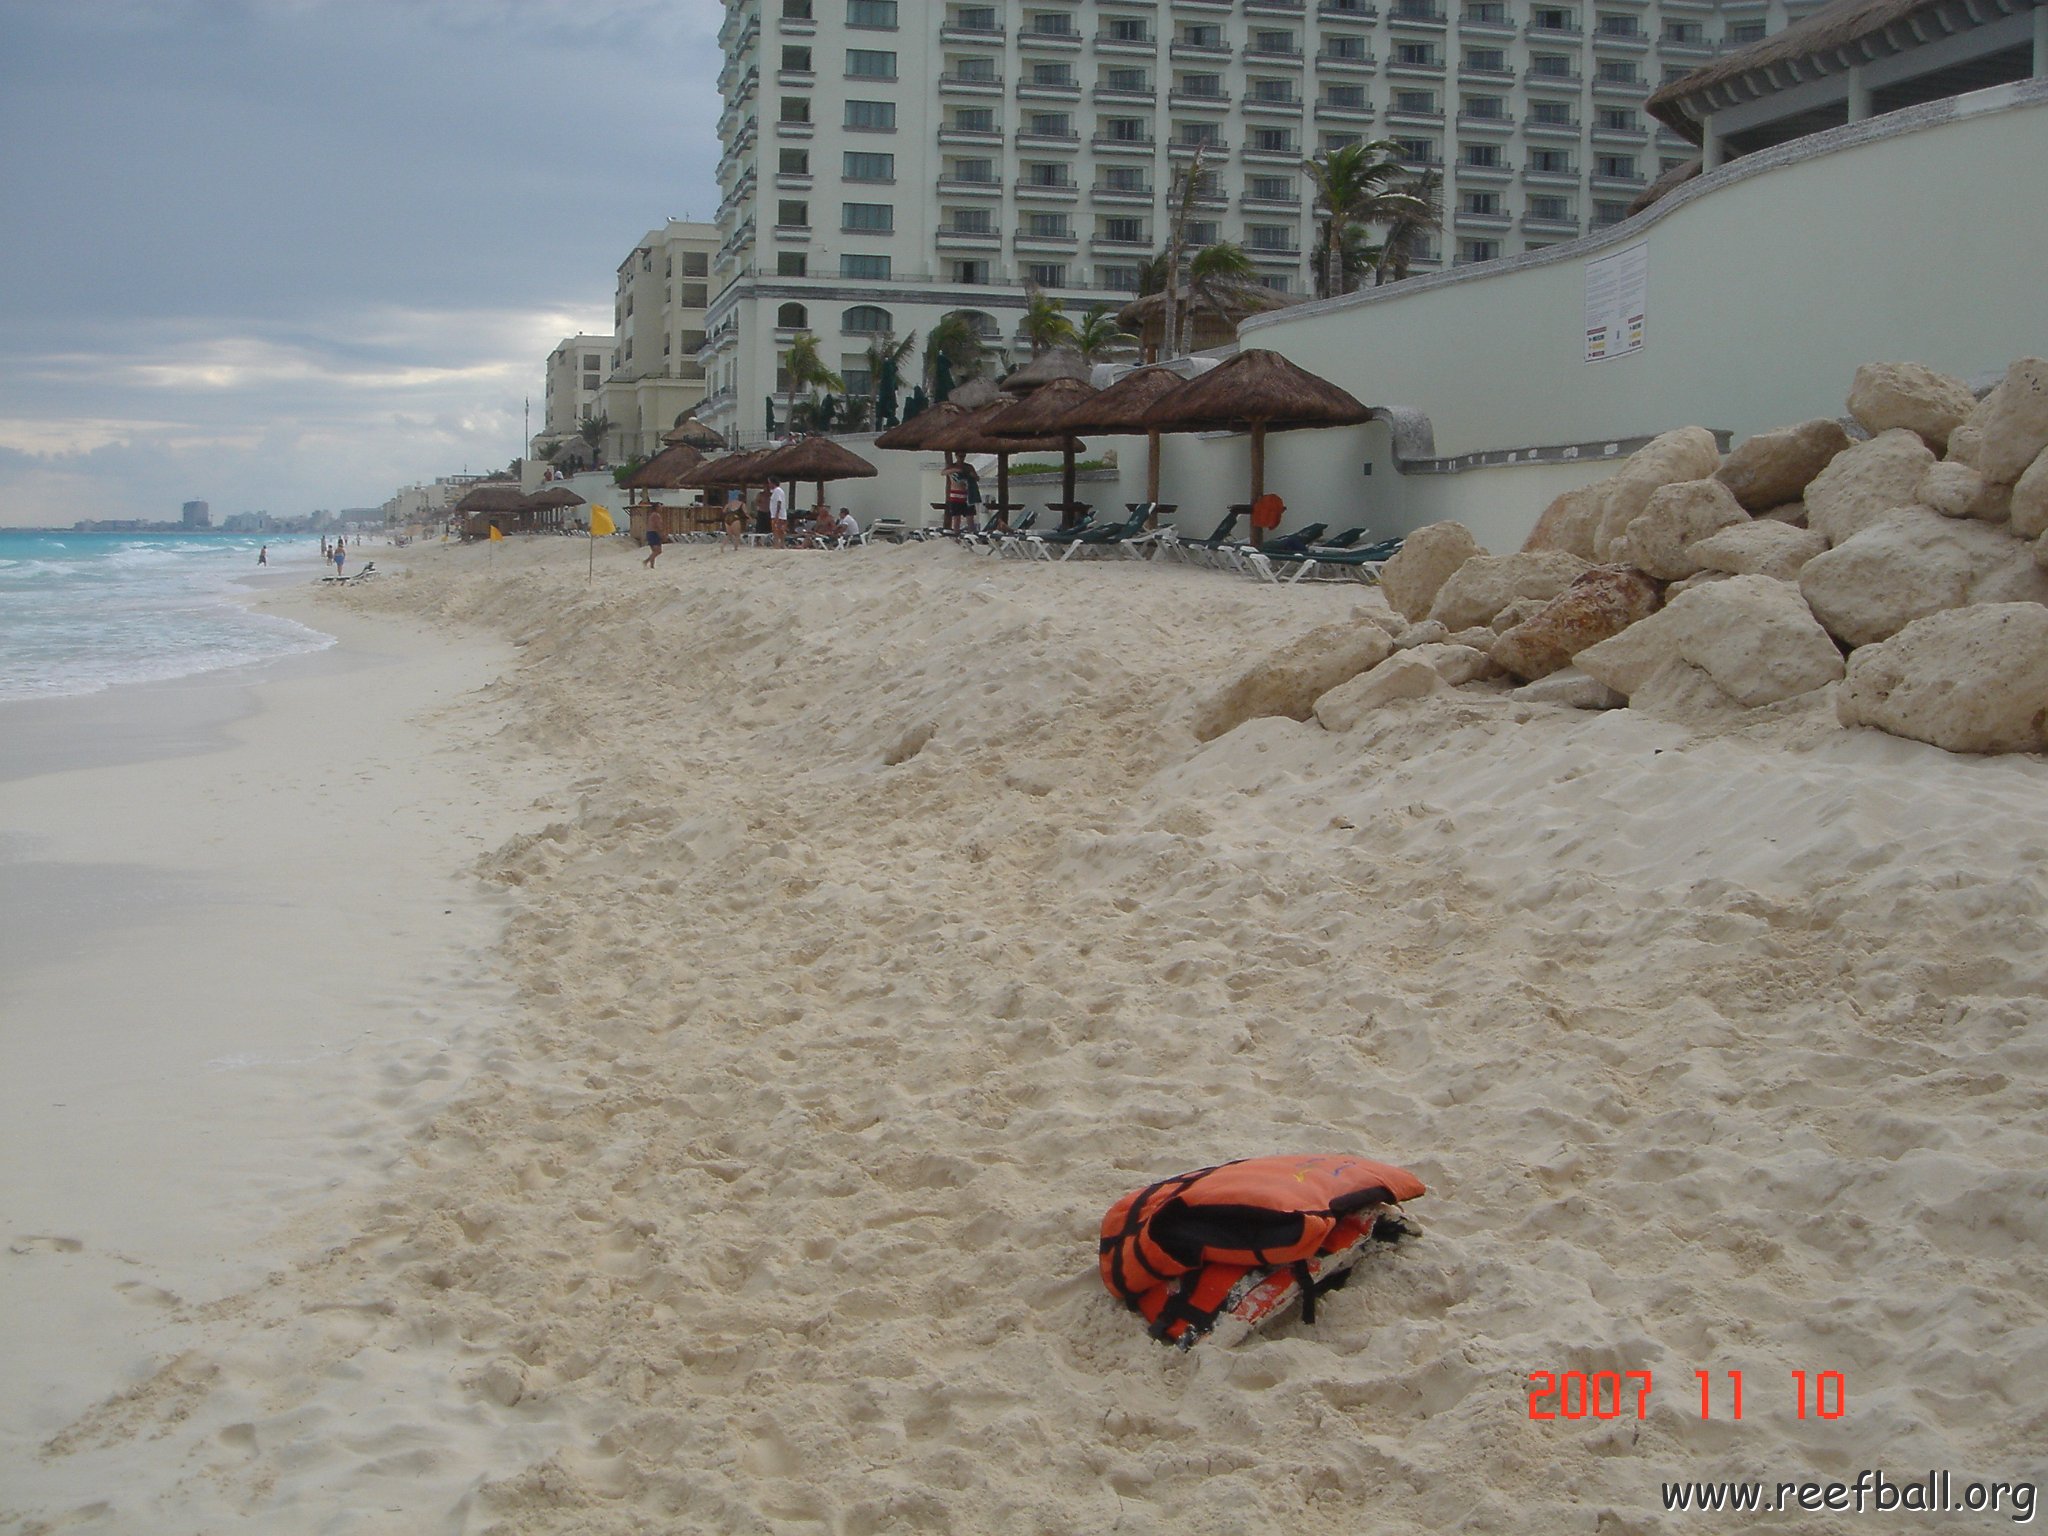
(340,556)
(778,514)
(263,555)
(653,539)
(956,497)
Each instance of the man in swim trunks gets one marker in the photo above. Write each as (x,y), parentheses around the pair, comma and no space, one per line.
(654,539)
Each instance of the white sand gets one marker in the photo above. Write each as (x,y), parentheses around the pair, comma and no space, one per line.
(900,926)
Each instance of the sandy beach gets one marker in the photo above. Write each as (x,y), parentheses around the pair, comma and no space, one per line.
(652,1055)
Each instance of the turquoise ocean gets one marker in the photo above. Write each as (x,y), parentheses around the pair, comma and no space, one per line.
(80,612)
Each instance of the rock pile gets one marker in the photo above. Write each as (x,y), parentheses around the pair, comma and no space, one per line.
(1908,569)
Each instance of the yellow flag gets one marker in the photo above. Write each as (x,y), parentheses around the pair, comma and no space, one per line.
(601,524)
(494,532)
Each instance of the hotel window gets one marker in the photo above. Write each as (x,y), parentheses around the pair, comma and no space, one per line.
(1276,282)
(866,320)
(975,18)
(1047,226)
(1130,29)
(1124,178)
(1609,213)
(1618,26)
(1551,19)
(1124,130)
(1125,80)
(796,109)
(857,166)
(794,162)
(1052,125)
(1417,151)
(1052,74)
(981,172)
(1416,54)
(1550,66)
(1490,61)
(877,116)
(1349,97)
(1052,24)
(1273,90)
(1556,209)
(971,273)
(1046,174)
(1618,119)
(797,60)
(868,268)
(869,64)
(1201,34)
(1478,250)
(1201,85)
(1559,112)
(1344,47)
(1480,157)
(871,13)
(1270,189)
(696,263)
(976,69)
(692,295)
(1685,33)
(975,119)
(1486,204)
(792,317)
(793,215)
(1117,279)
(1415,101)
(1203,232)
(1620,167)
(791,264)
(1273,140)
(1269,237)
(1488,109)
(972,221)
(1046,274)
(1745,32)
(1198,133)
(1124,231)
(868,218)
(1618,71)
(1551,162)
(1273,42)
(1487,13)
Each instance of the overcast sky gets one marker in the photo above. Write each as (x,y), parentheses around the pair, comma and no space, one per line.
(288,254)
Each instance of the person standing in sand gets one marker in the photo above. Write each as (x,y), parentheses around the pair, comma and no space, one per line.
(778,514)
(340,556)
(654,539)
(263,555)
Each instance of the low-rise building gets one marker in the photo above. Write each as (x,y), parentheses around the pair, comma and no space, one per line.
(658,329)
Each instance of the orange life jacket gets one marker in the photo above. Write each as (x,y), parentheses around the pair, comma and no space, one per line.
(1172,1251)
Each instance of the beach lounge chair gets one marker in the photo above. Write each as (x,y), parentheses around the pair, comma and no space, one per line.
(1040,546)
(1103,535)
(1205,551)
(1258,560)
(1012,543)
(1160,537)
(369,569)
(1322,563)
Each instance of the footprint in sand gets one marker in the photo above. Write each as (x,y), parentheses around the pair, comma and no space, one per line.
(38,1244)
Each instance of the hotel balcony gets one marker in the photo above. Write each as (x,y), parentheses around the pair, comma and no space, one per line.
(1046,244)
(1117,95)
(1048,90)
(949,238)
(1199,52)
(1466,218)
(1184,149)
(1622,42)
(800,79)
(1632,90)
(1104,43)
(1542,126)
(1199,101)
(1346,10)
(1635,181)
(1362,63)
(1565,79)
(1533,225)
(955,186)
(1635,136)
(1033,138)
(799,233)
(1536,32)
(1475,122)
(1285,154)
(1289,57)
(1277,106)
(1105,245)
(970,85)
(1103,193)
(1405,117)
(796,130)
(991,137)
(1112,144)
(1416,69)
(1338,112)
(1470,172)
(1284,253)
(1467,75)
(1273,7)
(786,181)
(1533,177)
(797,26)
(1049,191)
(1029,37)
(1479,26)
(953,33)
(1413,17)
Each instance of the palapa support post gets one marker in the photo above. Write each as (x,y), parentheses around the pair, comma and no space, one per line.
(1258,474)
(1152,468)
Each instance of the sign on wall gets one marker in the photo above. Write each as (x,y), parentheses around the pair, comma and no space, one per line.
(1617,301)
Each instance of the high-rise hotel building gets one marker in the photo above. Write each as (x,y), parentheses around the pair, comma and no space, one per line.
(887,162)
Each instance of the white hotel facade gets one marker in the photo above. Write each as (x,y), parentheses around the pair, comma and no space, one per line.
(887,162)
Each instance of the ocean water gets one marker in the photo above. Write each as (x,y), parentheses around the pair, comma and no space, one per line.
(80,612)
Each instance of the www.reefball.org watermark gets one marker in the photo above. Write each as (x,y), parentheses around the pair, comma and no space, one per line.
(1938,1493)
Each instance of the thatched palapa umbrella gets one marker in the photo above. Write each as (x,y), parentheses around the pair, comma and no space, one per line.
(553,499)
(1122,408)
(969,433)
(692,432)
(1257,391)
(917,433)
(494,502)
(1039,414)
(814,458)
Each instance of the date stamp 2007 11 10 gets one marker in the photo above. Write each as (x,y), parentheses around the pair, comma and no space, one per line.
(1626,1394)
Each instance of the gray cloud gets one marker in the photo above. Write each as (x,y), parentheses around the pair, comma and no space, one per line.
(293,253)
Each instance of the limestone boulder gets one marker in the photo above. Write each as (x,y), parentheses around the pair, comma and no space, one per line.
(1424,563)
(1957,490)
(1600,604)
(1485,584)
(1571,688)
(1403,675)
(1480,637)
(2027,510)
(2012,422)
(1428,632)
(1570,522)
(1753,636)
(1690,453)
(1970,680)
(1675,517)
(1792,513)
(1773,468)
(1911,564)
(1867,482)
(1520,611)
(1758,548)
(1697,579)
(1458,665)
(1888,396)
(1289,681)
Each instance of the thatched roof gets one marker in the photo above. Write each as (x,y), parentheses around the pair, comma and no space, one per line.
(974,394)
(814,458)
(1666,184)
(968,432)
(555,496)
(1122,406)
(1255,388)
(688,429)
(733,470)
(1146,317)
(1056,363)
(1042,409)
(1827,42)
(918,431)
(665,471)
(500,496)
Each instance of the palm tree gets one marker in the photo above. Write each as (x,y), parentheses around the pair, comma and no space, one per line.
(1183,200)
(1045,323)
(1355,184)
(1426,213)
(803,367)
(1215,276)
(953,338)
(592,430)
(1358,254)
(1098,335)
(886,357)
